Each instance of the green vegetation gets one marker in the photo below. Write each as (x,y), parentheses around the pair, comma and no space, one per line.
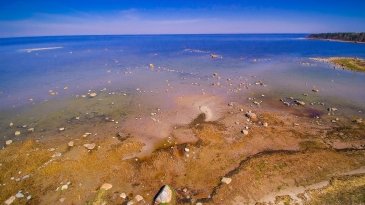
(355,37)
(355,64)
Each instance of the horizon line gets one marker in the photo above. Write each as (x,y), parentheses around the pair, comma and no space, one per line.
(155,34)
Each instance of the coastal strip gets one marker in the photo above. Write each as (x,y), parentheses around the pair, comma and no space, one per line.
(346,37)
(348,63)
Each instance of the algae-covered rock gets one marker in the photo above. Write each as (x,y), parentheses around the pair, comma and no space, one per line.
(166,196)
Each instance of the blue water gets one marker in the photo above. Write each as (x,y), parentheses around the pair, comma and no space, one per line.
(81,62)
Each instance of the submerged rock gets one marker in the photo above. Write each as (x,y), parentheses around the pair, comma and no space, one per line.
(90,146)
(166,195)
(226,180)
(10,200)
(106,186)
(244,132)
(8,142)
(70,143)
(138,198)
(252,116)
(92,95)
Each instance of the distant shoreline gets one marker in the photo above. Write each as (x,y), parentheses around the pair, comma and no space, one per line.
(335,40)
(341,37)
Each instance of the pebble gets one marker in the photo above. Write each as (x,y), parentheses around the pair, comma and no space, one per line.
(298,102)
(8,142)
(138,198)
(11,124)
(62,200)
(199,203)
(92,95)
(61,129)
(187,149)
(64,187)
(123,195)
(244,132)
(19,195)
(106,186)
(90,146)
(10,200)
(252,116)
(226,180)
(315,90)
(164,196)
(265,124)
(17,133)
(70,143)
(31,129)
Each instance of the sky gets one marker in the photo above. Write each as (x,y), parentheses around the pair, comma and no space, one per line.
(111,17)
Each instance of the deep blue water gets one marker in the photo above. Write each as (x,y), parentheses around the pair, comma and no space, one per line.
(81,61)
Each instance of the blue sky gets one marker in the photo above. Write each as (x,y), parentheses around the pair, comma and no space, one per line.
(72,17)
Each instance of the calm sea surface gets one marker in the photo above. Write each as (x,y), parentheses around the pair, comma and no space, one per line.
(32,68)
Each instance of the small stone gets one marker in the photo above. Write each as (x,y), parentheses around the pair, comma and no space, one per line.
(29,197)
(359,120)
(92,95)
(138,198)
(164,196)
(252,116)
(56,154)
(11,124)
(17,133)
(90,146)
(298,102)
(226,180)
(265,124)
(106,186)
(8,142)
(10,200)
(315,90)
(186,149)
(244,132)
(61,129)
(19,195)
(123,195)
(64,187)
(62,200)
(70,143)
(31,129)
(199,203)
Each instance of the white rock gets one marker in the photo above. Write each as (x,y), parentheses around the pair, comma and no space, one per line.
(164,196)
(17,133)
(19,195)
(187,149)
(106,186)
(90,146)
(226,180)
(265,124)
(61,129)
(244,132)
(138,198)
(10,200)
(123,195)
(64,187)
(8,142)
(70,143)
(252,116)
(11,124)
(92,95)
